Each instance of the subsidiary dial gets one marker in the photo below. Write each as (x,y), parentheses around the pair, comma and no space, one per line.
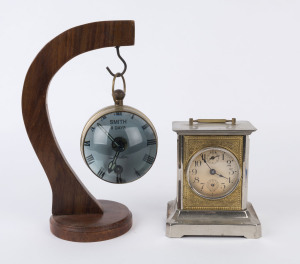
(213,173)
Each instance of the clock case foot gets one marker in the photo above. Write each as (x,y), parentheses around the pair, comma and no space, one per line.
(212,223)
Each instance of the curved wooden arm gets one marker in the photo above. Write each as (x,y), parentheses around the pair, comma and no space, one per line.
(69,194)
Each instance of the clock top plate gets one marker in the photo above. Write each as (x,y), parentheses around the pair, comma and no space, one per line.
(240,128)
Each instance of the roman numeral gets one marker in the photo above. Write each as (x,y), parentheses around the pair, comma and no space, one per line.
(103,118)
(148,159)
(93,129)
(101,172)
(137,173)
(151,142)
(197,163)
(118,113)
(87,143)
(132,116)
(145,126)
(90,159)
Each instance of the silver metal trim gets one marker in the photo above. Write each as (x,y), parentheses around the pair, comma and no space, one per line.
(244,223)
(179,171)
(245,172)
(241,128)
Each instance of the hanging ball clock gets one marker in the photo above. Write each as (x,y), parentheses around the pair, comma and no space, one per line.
(212,173)
(119,143)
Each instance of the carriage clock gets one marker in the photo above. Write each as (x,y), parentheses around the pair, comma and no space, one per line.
(212,172)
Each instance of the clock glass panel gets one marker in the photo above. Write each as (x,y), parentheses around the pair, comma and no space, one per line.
(120,147)
(213,173)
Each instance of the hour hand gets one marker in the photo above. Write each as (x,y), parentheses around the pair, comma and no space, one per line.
(112,164)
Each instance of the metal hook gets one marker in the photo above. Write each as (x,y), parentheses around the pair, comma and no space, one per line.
(125,65)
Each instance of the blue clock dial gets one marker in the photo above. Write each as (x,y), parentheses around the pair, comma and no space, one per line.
(120,147)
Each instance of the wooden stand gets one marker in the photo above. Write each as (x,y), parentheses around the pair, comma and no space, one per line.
(77,215)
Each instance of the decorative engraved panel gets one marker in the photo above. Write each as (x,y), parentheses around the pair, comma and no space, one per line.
(193,144)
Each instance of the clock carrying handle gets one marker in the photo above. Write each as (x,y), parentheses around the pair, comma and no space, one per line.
(69,194)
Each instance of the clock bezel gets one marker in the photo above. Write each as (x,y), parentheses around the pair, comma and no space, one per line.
(199,153)
(109,110)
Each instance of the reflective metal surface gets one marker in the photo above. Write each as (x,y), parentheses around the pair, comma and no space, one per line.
(239,221)
(242,223)
(240,128)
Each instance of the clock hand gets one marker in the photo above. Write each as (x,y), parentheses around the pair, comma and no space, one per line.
(213,171)
(112,164)
(213,157)
(108,135)
(206,163)
(118,170)
(220,175)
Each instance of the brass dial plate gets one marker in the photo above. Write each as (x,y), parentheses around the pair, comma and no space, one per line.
(194,144)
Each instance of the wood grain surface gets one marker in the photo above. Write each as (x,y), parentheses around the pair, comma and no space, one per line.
(70,197)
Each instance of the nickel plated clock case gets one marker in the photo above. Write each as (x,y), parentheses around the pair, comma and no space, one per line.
(212,180)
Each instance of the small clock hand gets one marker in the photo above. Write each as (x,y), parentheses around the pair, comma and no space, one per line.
(213,157)
(118,170)
(220,175)
(213,171)
(109,135)
(112,164)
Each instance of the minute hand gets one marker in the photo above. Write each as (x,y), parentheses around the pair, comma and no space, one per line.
(220,175)
(213,171)
(109,135)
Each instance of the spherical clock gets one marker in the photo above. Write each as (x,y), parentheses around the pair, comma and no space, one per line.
(119,144)
(213,173)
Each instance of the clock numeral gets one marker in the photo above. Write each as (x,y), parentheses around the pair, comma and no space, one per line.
(198,163)
(223,156)
(90,159)
(151,142)
(101,173)
(137,173)
(229,179)
(194,171)
(148,159)
(87,143)
(103,118)
(132,116)
(202,186)
(92,129)
(145,126)
(203,156)
(118,113)
(196,180)
(223,186)
(231,171)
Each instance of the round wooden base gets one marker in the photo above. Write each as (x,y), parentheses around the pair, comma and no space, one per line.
(115,221)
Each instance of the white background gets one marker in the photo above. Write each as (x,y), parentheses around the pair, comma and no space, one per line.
(201,59)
